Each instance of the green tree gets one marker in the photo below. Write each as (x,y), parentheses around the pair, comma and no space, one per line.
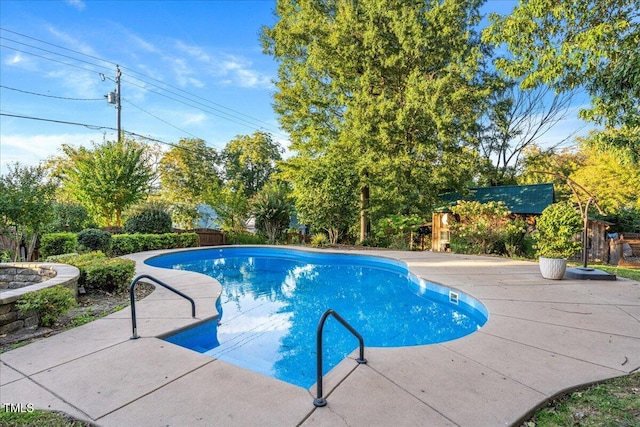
(106,179)
(272,208)
(542,166)
(325,193)
(70,216)
(231,206)
(26,205)
(391,81)
(188,171)
(249,162)
(615,186)
(589,44)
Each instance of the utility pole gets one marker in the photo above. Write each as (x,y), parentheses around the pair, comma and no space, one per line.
(114,98)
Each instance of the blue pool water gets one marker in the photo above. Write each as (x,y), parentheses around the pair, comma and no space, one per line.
(272,300)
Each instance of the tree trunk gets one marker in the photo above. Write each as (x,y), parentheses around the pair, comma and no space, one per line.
(364,205)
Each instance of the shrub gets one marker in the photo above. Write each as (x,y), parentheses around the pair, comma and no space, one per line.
(272,210)
(247,239)
(95,240)
(70,217)
(480,225)
(110,274)
(319,240)
(49,303)
(186,240)
(556,229)
(397,231)
(99,273)
(149,221)
(123,244)
(58,243)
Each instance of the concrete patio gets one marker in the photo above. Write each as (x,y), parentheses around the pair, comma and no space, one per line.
(542,338)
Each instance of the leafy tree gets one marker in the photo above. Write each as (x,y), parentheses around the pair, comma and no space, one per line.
(592,44)
(542,166)
(26,205)
(249,162)
(70,216)
(391,81)
(232,207)
(106,179)
(325,193)
(188,171)
(615,186)
(271,208)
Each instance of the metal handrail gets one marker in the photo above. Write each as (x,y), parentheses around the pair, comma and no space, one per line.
(319,400)
(132,297)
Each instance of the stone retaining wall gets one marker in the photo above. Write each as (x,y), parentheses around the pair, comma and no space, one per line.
(17,279)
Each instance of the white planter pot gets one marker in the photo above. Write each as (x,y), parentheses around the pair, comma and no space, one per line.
(553,268)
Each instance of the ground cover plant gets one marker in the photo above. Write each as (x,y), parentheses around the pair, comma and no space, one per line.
(611,403)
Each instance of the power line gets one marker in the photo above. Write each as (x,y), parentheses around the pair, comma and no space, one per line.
(250,122)
(96,127)
(158,118)
(51,96)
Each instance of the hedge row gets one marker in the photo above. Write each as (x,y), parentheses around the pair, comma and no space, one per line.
(120,244)
(123,244)
(98,272)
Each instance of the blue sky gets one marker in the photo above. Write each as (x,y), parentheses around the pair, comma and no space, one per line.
(189,69)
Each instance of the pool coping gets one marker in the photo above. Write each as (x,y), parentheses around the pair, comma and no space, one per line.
(542,338)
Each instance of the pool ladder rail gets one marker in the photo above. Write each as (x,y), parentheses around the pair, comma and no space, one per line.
(132,297)
(320,400)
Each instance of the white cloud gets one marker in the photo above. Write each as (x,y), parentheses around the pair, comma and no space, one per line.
(194,119)
(32,149)
(233,69)
(76,4)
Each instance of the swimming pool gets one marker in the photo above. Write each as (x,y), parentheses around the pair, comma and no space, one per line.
(273,298)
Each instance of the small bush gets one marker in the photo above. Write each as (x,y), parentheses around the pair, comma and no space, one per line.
(110,275)
(186,240)
(149,221)
(49,303)
(58,243)
(319,240)
(94,239)
(246,239)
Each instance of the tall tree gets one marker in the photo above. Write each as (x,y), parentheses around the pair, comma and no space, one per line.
(107,179)
(389,80)
(249,161)
(516,120)
(188,172)
(26,205)
(616,188)
(542,166)
(589,44)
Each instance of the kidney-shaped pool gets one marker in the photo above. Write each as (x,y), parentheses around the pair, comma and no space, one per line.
(273,298)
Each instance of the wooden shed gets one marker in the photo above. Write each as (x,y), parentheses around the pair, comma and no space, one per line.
(523,200)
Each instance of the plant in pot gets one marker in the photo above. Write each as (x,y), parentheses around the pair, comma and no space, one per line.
(555,240)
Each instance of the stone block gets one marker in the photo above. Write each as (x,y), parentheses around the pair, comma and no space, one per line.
(31,321)
(11,327)
(8,317)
